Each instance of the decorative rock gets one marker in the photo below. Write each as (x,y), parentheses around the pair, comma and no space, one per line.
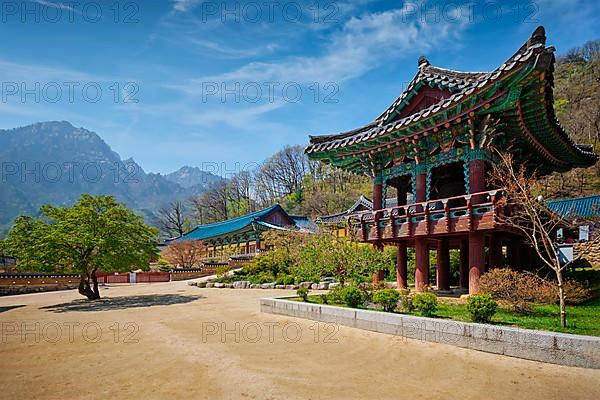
(291,287)
(219,285)
(267,286)
(391,285)
(201,284)
(314,286)
(229,285)
(210,285)
(323,286)
(241,284)
(306,285)
(333,285)
(279,286)
(255,286)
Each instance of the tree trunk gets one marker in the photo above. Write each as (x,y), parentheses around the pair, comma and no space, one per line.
(95,281)
(561,298)
(85,289)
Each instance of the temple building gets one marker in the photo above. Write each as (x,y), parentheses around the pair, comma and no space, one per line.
(243,235)
(437,142)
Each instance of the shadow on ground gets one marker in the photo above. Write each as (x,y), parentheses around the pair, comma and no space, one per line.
(8,308)
(121,303)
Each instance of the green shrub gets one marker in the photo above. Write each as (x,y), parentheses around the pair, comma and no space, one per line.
(285,280)
(367,292)
(387,298)
(323,298)
(482,307)
(353,296)
(222,271)
(303,293)
(406,300)
(425,304)
(335,295)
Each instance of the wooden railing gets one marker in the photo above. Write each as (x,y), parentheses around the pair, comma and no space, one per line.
(470,212)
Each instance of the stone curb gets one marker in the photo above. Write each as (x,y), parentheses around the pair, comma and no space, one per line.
(551,347)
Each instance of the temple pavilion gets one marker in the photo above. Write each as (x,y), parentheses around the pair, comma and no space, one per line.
(437,141)
(243,235)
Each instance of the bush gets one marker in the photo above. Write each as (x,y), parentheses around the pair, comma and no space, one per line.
(518,289)
(575,292)
(425,304)
(285,280)
(222,271)
(406,300)
(387,298)
(336,295)
(482,307)
(303,294)
(323,298)
(353,296)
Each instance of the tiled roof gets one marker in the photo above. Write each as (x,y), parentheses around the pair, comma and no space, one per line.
(202,232)
(580,207)
(462,85)
(466,84)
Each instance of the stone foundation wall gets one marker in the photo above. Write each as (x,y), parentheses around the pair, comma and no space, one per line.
(10,285)
(591,252)
(190,274)
(550,347)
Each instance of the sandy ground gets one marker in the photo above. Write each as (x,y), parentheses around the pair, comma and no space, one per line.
(177,341)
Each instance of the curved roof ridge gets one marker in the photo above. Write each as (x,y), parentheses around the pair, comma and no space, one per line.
(573,198)
(252,215)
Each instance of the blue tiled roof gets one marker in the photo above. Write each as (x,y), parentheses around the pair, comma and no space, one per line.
(580,207)
(202,232)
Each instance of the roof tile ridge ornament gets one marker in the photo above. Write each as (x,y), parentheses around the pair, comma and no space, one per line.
(537,37)
(423,63)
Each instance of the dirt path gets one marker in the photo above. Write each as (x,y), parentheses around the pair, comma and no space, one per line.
(175,341)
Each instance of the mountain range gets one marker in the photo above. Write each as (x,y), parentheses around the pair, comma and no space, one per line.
(55,162)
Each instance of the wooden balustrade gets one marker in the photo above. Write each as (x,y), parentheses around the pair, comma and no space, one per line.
(434,217)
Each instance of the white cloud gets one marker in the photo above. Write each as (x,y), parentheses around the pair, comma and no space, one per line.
(184,6)
(56,4)
(12,71)
(362,44)
(232,52)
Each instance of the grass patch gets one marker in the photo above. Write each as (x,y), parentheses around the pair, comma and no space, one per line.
(583,319)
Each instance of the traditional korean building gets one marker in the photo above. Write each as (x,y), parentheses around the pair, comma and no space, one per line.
(437,141)
(243,235)
(338,223)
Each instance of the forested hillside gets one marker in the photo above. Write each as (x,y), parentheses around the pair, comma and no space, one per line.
(577,105)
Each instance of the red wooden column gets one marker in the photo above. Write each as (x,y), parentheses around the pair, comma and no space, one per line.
(443,265)
(476,239)
(464,264)
(377,204)
(421,249)
(402,266)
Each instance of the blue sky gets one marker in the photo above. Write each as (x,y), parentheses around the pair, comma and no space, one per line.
(191,82)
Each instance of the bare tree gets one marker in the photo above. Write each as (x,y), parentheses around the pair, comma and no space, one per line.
(527,213)
(212,205)
(172,219)
(283,173)
(184,253)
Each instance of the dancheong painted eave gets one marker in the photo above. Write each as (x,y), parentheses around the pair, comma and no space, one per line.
(516,98)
